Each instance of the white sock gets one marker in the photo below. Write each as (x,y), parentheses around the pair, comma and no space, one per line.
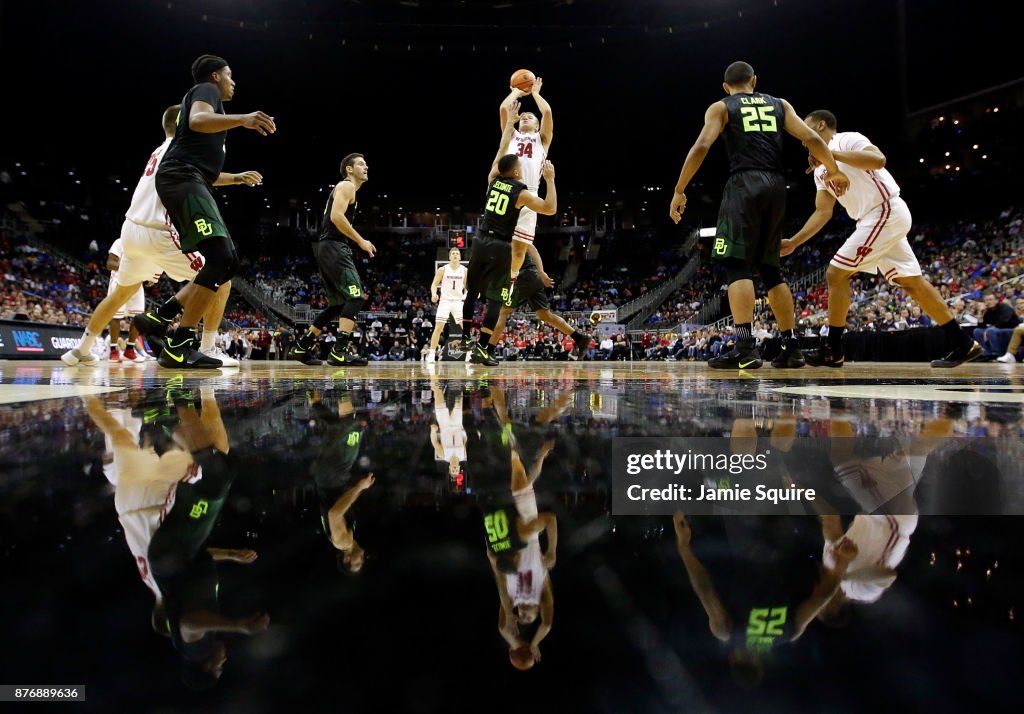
(88,340)
(208,341)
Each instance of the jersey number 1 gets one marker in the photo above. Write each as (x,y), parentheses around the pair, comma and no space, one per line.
(497,203)
(758,119)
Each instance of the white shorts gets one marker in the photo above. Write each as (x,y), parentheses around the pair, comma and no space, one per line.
(526,503)
(135,305)
(526,227)
(150,251)
(879,243)
(446,308)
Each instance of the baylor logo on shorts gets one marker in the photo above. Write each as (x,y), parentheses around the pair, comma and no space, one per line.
(506,296)
(354,291)
(204,227)
(720,246)
(199,509)
(353,438)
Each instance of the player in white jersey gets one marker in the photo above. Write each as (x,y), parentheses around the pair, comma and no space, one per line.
(448,435)
(448,292)
(878,244)
(136,305)
(531,142)
(151,247)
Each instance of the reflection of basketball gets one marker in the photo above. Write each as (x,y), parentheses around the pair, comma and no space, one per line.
(521,658)
(595,318)
(522,80)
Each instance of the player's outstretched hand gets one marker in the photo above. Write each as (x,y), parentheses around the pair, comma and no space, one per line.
(676,207)
(548,171)
(787,247)
(548,281)
(250,178)
(812,163)
(839,182)
(365,482)
(682,526)
(261,122)
(433,298)
(513,113)
(369,247)
(535,91)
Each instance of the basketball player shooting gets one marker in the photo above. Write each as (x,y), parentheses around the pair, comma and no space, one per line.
(530,142)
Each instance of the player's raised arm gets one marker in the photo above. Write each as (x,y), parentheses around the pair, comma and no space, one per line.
(511,117)
(715,119)
(718,617)
(860,153)
(344,193)
(818,148)
(546,120)
(506,104)
(547,206)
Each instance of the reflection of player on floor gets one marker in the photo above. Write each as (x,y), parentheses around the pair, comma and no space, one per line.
(531,142)
(751,216)
(338,274)
(136,305)
(447,434)
(184,569)
(448,291)
(878,245)
(521,571)
(752,632)
(151,246)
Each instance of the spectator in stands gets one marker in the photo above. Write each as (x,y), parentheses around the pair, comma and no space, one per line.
(995,328)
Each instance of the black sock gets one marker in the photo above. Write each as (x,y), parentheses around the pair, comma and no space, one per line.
(344,339)
(169,310)
(184,333)
(490,349)
(835,337)
(579,338)
(743,331)
(787,334)
(957,336)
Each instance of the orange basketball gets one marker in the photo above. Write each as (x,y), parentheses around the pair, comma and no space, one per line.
(522,80)
(521,658)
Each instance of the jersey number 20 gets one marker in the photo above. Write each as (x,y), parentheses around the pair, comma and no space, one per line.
(758,119)
(497,203)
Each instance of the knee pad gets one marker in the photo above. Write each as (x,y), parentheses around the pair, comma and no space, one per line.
(736,270)
(352,307)
(771,276)
(221,262)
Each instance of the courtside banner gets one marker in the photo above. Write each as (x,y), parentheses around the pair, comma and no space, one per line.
(34,340)
(782,474)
